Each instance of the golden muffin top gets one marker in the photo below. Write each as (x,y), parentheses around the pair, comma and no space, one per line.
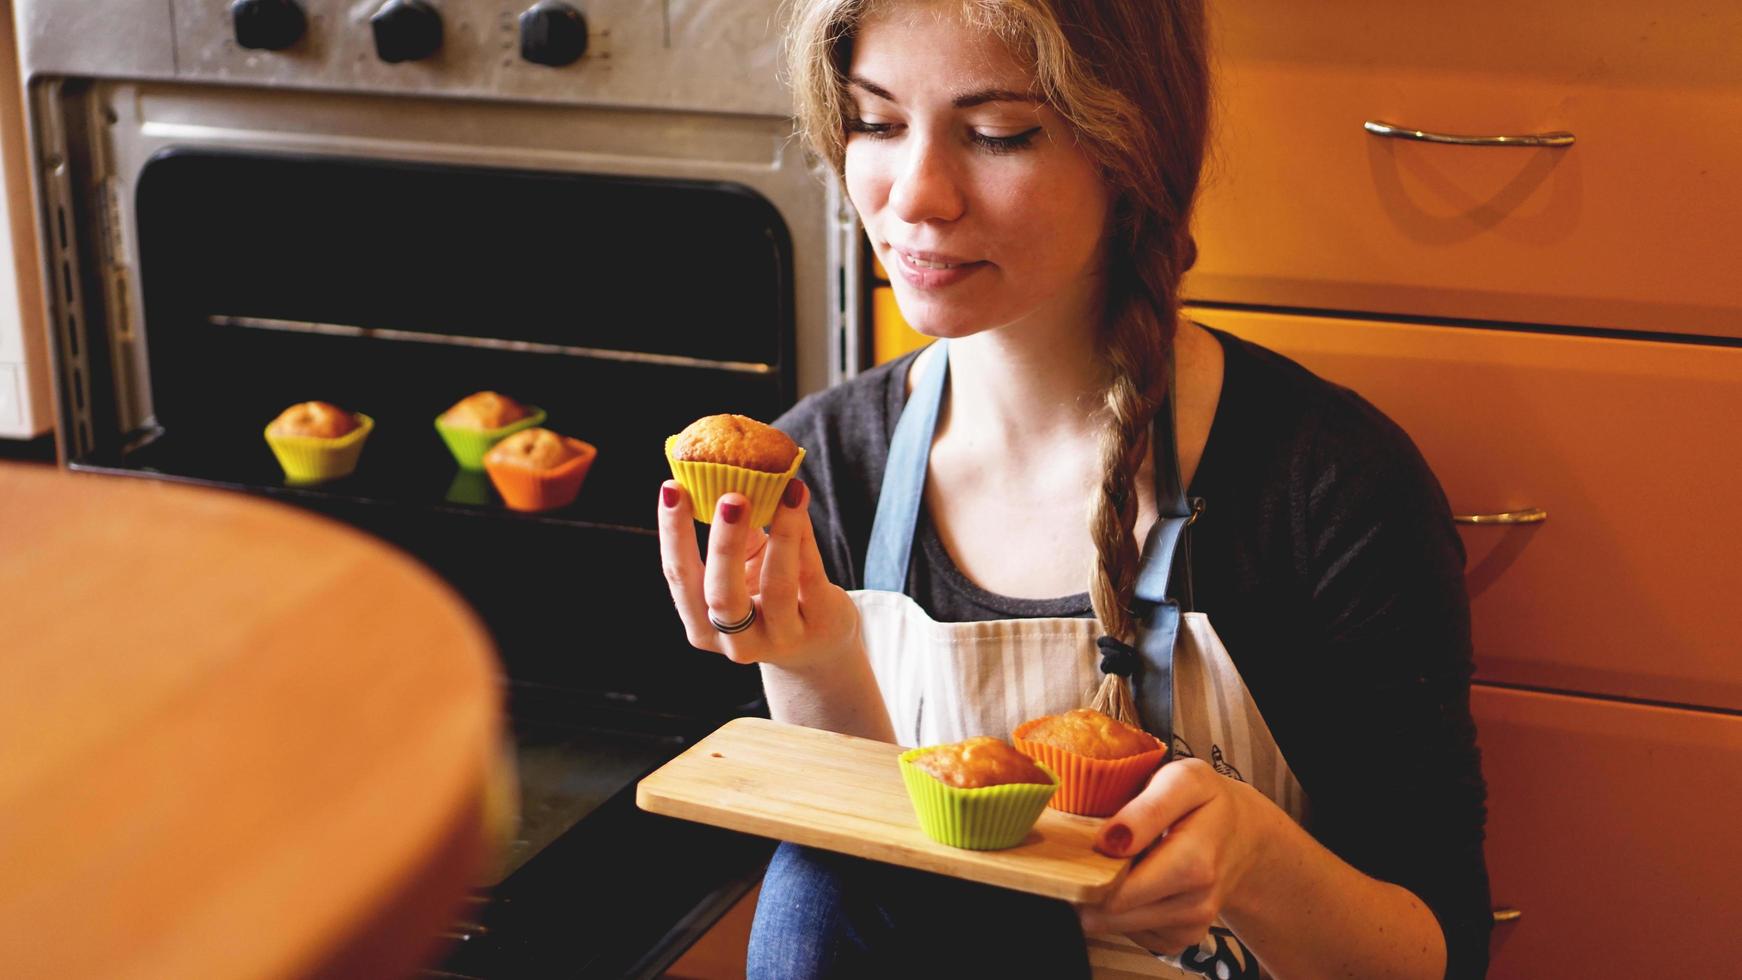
(1090,733)
(532,449)
(485,410)
(322,420)
(736,440)
(979,761)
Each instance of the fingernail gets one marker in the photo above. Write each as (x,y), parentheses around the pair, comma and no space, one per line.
(668,496)
(1116,839)
(731,511)
(794,494)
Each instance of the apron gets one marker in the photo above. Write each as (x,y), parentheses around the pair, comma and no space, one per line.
(944,682)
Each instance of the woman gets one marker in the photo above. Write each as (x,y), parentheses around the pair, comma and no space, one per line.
(1025,169)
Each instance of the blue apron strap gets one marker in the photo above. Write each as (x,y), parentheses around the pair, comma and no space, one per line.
(898,502)
(1157,614)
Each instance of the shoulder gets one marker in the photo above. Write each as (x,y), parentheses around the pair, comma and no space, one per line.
(857,410)
(1322,426)
(845,433)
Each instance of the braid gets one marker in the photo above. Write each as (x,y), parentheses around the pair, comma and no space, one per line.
(1135,355)
(1138,346)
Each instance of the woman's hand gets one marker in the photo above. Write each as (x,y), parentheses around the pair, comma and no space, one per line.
(1209,832)
(801,617)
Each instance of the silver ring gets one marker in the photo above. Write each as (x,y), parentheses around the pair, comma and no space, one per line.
(738,627)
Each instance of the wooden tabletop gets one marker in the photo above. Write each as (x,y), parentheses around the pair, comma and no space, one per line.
(236,739)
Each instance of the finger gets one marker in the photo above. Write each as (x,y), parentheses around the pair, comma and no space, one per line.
(681,560)
(779,586)
(1175,790)
(1178,921)
(728,599)
(753,561)
(811,573)
(1184,863)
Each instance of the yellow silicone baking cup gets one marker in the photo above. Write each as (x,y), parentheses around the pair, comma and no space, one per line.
(708,482)
(982,818)
(470,445)
(312,459)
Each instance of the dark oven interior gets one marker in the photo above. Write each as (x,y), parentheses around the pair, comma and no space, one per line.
(623,307)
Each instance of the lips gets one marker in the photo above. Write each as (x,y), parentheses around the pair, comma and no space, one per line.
(930,260)
(934,270)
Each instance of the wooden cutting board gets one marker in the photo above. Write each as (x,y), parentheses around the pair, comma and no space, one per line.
(845,794)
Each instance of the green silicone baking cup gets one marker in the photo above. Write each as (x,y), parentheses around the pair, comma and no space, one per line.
(984,818)
(470,445)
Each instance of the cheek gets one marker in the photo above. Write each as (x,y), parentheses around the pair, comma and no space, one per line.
(1058,211)
(866,186)
(1081,218)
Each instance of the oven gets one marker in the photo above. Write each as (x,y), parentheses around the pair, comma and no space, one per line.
(596,206)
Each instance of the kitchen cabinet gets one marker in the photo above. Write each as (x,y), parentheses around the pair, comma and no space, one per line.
(1612,828)
(1557,328)
(1624,443)
(1632,227)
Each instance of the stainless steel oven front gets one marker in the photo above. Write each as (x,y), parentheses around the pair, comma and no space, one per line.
(594,205)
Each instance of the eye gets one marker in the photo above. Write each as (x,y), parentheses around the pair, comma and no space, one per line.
(875,130)
(1004,144)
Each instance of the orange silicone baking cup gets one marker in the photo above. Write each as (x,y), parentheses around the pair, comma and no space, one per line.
(524,489)
(1091,787)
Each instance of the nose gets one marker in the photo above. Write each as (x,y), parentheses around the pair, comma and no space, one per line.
(926,186)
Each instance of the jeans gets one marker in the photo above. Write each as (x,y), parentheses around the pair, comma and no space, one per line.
(823,914)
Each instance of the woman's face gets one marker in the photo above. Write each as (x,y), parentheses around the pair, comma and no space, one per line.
(976,197)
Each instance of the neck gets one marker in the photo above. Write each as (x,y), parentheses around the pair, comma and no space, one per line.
(1028,384)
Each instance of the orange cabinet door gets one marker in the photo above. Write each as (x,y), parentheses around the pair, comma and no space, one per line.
(1614,829)
(1630,586)
(1636,226)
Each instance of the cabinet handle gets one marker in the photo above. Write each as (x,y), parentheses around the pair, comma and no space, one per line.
(1507,915)
(1533,515)
(1378,128)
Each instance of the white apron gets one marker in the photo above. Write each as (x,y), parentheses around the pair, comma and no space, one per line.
(944,682)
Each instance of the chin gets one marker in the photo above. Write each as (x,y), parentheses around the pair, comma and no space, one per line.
(942,321)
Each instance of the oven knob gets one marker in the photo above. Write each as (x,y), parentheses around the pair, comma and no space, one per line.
(552,33)
(268,25)
(406,30)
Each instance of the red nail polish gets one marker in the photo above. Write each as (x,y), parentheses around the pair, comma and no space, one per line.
(1116,839)
(668,496)
(731,512)
(794,494)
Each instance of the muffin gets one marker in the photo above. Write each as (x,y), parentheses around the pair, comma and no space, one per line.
(484,410)
(317,441)
(979,761)
(480,420)
(979,794)
(321,420)
(723,454)
(1101,762)
(536,469)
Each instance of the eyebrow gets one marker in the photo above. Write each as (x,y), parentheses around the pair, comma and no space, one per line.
(965,101)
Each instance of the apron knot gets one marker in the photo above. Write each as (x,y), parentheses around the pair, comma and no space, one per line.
(1116,657)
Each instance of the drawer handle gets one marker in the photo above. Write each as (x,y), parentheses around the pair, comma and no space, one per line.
(1534,515)
(1378,128)
(1507,915)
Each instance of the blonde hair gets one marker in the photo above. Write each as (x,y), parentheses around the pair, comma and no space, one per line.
(1131,77)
